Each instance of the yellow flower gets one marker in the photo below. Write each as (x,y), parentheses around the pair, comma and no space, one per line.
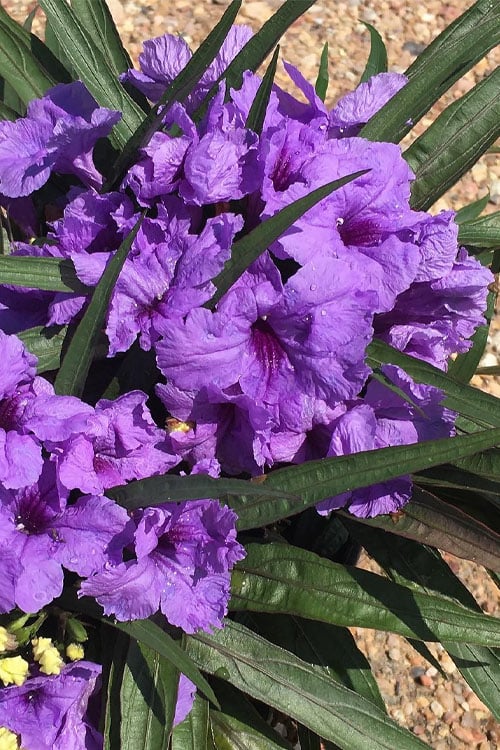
(13,670)
(8,740)
(8,641)
(74,652)
(47,655)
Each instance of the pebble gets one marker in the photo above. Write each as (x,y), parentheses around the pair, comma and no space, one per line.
(437,709)
(425,680)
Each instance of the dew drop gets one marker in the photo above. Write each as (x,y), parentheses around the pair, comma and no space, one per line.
(340,221)
(323,313)
(313,287)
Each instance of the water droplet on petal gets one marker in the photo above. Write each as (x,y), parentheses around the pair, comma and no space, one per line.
(313,287)
(323,313)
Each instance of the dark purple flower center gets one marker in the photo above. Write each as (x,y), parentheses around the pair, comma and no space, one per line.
(355,231)
(266,345)
(8,414)
(31,515)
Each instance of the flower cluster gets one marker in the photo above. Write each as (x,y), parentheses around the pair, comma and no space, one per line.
(274,373)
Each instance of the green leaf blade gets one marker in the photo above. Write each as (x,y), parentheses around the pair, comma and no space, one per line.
(377,59)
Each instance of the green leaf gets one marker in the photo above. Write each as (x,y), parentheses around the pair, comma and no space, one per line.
(172,488)
(314,481)
(328,646)
(479,407)
(114,648)
(94,15)
(300,690)
(152,636)
(454,142)
(194,733)
(148,697)
(178,90)
(231,734)
(482,232)
(415,564)
(6,113)
(71,377)
(322,80)
(51,274)
(46,344)
(257,113)
(281,578)
(430,520)
(236,705)
(246,250)
(308,740)
(472,210)
(455,51)
(377,60)
(90,63)
(18,64)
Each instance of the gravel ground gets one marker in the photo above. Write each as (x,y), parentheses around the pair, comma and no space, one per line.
(439,708)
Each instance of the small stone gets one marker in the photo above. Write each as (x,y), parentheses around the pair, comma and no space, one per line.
(464,734)
(495,192)
(479,172)
(394,654)
(425,680)
(476,704)
(450,717)
(437,709)
(446,698)
(422,701)
(431,672)
(417,672)
(469,720)
(418,729)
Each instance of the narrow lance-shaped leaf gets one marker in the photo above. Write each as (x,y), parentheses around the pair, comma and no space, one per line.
(454,142)
(18,65)
(432,521)
(322,80)
(482,232)
(415,564)
(455,51)
(51,274)
(300,690)
(229,733)
(95,16)
(328,646)
(195,732)
(314,481)
(46,344)
(250,247)
(90,63)
(472,210)
(281,578)
(178,90)
(148,698)
(377,59)
(257,113)
(71,377)
(172,488)
(151,635)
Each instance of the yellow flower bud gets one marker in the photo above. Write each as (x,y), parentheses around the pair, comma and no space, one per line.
(8,641)
(8,740)
(47,655)
(74,651)
(13,670)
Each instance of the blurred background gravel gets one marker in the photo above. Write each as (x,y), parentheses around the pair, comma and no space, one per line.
(437,706)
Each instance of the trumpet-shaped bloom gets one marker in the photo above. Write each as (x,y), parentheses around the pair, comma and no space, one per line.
(183,556)
(55,712)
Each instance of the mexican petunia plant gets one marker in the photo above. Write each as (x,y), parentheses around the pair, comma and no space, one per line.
(236,348)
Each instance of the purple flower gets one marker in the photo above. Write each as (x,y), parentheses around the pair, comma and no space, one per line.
(53,712)
(354,109)
(120,442)
(169,273)
(58,134)
(435,318)
(183,554)
(163,58)
(20,453)
(40,534)
(185,699)
(383,419)
(270,340)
